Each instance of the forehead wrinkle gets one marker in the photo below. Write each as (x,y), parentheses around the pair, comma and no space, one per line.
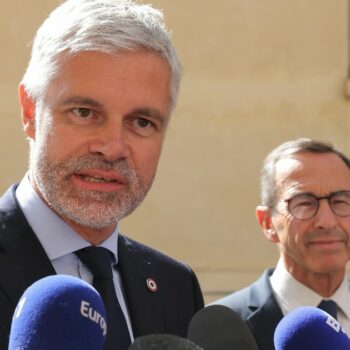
(296,175)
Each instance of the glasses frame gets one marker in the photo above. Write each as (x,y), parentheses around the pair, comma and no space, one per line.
(328,198)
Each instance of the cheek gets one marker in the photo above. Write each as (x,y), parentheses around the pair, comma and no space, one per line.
(297,237)
(291,232)
(146,159)
(345,226)
(58,144)
(148,164)
(44,129)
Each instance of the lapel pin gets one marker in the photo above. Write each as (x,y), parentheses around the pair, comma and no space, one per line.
(152,285)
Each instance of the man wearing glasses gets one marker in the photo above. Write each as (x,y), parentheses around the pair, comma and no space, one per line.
(305,193)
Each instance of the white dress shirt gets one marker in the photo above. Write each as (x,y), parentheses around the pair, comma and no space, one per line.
(60,241)
(291,294)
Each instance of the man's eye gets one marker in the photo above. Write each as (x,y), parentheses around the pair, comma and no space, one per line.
(143,126)
(142,123)
(340,202)
(305,204)
(82,112)
(300,202)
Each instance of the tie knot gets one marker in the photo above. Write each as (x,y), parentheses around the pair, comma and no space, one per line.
(98,261)
(329,306)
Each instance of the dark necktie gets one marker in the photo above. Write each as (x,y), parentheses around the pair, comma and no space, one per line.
(98,261)
(329,306)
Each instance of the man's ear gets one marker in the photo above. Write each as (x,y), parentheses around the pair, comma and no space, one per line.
(263,216)
(28,112)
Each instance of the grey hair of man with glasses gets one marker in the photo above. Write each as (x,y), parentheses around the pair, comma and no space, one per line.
(305,210)
(268,188)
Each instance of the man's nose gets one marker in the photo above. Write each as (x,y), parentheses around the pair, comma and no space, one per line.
(110,142)
(325,217)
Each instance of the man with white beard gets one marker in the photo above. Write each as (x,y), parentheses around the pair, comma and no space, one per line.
(96,99)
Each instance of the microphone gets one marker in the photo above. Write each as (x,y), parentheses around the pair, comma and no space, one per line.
(59,312)
(310,328)
(164,342)
(218,327)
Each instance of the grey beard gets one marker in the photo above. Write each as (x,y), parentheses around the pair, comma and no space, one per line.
(91,209)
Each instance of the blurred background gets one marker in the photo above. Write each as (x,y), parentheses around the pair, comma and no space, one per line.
(256,73)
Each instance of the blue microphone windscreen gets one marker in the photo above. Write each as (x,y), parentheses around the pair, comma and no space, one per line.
(59,312)
(309,328)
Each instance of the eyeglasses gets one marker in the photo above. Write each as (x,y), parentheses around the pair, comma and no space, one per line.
(305,205)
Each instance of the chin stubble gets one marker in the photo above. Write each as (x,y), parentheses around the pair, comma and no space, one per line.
(93,209)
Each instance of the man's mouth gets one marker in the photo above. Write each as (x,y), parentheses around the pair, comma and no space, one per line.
(327,244)
(97,179)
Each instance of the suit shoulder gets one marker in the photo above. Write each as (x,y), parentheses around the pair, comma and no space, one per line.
(236,301)
(177,279)
(8,203)
(245,300)
(154,256)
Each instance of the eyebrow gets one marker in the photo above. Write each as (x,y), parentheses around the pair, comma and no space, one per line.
(77,100)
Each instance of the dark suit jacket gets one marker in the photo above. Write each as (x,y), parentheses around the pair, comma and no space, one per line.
(23,261)
(258,307)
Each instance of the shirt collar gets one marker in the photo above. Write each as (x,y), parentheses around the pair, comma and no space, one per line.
(293,294)
(55,235)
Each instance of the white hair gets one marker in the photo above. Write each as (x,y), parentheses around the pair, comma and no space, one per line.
(109,26)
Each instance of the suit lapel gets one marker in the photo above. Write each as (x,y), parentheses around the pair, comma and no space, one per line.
(22,258)
(263,321)
(145,306)
(23,261)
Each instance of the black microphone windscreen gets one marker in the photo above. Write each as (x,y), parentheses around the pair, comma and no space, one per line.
(163,342)
(218,327)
